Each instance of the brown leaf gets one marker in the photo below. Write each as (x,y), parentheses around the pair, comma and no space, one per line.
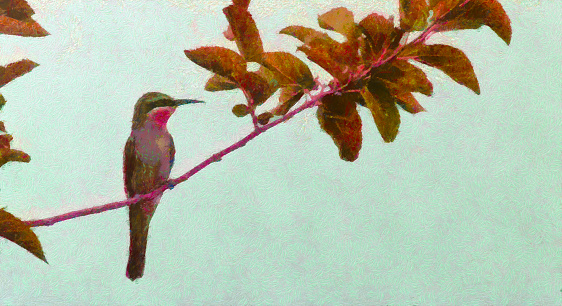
(240,110)
(413,15)
(219,60)
(338,116)
(264,118)
(27,27)
(401,76)
(17,9)
(288,69)
(380,32)
(256,86)
(340,20)
(9,155)
(14,70)
(443,8)
(241,3)
(245,32)
(477,13)
(218,83)
(409,103)
(450,60)
(306,35)
(289,97)
(2,127)
(2,99)
(383,108)
(18,232)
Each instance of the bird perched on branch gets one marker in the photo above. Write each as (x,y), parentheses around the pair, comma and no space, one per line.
(148,159)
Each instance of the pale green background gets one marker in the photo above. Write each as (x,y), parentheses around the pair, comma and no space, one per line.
(464,208)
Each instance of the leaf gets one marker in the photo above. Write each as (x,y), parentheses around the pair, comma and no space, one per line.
(241,3)
(240,110)
(18,232)
(409,103)
(17,9)
(413,15)
(306,35)
(379,31)
(338,116)
(218,83)
(340,20)
(245,32)
(257,87)
(264,118)
(383,109)
(400,77)
(10,155)
(5,140)
(289,97)
(219,60)
(450,60)
(2,99)
(477,13)
(27,28)
(288,69)
(2,127)
(14,70)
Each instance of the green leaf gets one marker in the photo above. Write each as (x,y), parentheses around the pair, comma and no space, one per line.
(2,99)
(477,13)
(340,20)
(18,232)
(219,60)
(383,109)
(288,69)
(338,116)
(450,60)
(218,83)
(14,70)
(245,32)
(413,15)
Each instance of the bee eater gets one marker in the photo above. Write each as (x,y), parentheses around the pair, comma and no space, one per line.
(148,159)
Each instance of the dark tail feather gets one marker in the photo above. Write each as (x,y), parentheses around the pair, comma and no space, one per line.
(138,223)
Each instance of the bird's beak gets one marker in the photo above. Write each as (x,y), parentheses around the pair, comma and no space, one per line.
(186,101)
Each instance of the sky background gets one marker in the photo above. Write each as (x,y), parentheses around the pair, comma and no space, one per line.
(464,207)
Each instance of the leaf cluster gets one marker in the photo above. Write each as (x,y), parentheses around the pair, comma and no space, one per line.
(372,68)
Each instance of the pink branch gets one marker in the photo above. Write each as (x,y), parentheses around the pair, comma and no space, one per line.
(314,100)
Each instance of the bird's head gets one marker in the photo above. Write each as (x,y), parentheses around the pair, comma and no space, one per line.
(156,107)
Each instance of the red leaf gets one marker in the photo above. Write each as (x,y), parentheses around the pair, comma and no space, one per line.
(257,87)
(413,15)
(218,83)
(401,76)
(14,70)
(18,232)
(28,28)
(450,60)
(219,60)
(409,103)
(339,118)
(245,32)
(288,69)
(380,33)
(288,98)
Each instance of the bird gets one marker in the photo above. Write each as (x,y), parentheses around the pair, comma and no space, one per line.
(147,161)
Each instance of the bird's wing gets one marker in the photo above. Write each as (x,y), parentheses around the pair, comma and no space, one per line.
(129,162)
(172,152)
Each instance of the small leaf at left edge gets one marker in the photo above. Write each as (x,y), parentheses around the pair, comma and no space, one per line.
(10,155)
(2,99)
(452,61)
(27,28)
(14,70)
(413,15)
(245,32)
(338,116)
(18,232)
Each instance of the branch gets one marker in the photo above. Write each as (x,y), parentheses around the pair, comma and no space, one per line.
(312,102)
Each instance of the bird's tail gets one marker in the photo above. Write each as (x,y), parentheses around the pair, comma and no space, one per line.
(139,219)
